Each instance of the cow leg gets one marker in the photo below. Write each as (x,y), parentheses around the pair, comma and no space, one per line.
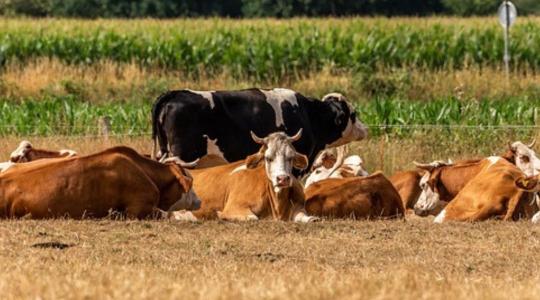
(142,199)
(300,215)
(179,215)
(512,205)
(237,215)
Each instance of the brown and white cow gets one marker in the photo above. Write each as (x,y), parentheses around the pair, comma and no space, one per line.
(261,186)
(442,181)
(117,179)
(491,193)
(368,197)
(407,184)
(328,165)
(25,152)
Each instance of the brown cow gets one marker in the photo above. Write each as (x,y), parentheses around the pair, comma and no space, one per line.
(489,194)
(367,197)
(117,179)
(407,186)
(25,153)
(261,186)
(442,181)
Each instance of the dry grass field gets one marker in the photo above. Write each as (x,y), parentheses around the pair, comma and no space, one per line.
(412,259)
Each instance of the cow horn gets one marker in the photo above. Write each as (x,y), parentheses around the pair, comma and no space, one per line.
(257,139)
(510,147)
(183,164)
(297,136)
(340,158)
(532,143)
(421,165)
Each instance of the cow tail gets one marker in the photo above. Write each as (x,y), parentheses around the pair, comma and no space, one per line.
(157,136)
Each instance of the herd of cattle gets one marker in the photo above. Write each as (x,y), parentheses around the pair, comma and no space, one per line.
(277,139)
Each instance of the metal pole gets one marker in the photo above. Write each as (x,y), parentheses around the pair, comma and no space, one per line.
(506,41)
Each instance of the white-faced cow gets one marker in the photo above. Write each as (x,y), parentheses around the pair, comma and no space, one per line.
(25,152)
(328,165)
(190,124)
(260,187)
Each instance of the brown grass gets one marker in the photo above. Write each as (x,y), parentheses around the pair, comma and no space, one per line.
(214,260)
(109,81)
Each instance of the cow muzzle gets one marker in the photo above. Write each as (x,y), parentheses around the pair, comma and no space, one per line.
(421,212)
(283,181)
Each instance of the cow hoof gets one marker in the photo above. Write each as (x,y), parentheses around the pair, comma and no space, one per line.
(312,219)
(182,215)
(308,219)
(536,218)
(252,218)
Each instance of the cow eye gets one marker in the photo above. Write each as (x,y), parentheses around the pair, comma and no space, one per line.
(524,159)
(268,159)
(318,172)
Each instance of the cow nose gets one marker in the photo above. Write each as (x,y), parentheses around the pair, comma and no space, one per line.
(420,212)
(196,204)
(283,180)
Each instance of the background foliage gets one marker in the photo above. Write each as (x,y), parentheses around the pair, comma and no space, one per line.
(253,8)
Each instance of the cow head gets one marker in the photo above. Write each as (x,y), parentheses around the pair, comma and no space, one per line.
(188,199)
(429,198)
(525,157)
(20,154)
(327,165)
(345,120)
(279,158)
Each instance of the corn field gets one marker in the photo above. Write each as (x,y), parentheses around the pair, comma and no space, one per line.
(264,49)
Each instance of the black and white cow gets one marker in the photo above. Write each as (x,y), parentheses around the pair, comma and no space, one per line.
(191,124)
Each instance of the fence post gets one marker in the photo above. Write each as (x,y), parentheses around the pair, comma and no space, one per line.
(105,127)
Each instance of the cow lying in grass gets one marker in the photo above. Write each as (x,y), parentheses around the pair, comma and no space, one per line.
(26,153)
(340,188)
(442,182)
(260,187)
(118,179)
(491,193)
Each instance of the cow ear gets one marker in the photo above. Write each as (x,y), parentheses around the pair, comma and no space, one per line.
(300,161)
(184,181)
(526,183)
(253,161)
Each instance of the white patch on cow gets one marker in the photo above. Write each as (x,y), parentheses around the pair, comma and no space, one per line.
(207,95)
(67,152)
(212,148)
(301,217)
(352,164)
(428,200)
(276,97)
(493,160)
(536,218)
(18,154)
(440,217)
(5,165)
(526,159)
(355,164)
(239,168)
(182,215)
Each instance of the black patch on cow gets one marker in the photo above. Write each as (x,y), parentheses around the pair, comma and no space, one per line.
(182,120)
